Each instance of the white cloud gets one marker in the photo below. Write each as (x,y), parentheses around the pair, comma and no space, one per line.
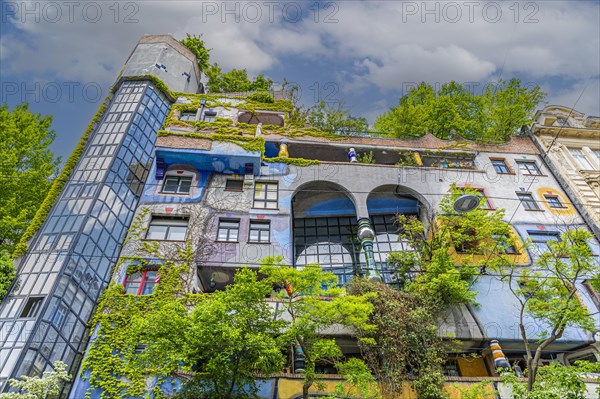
(381,43)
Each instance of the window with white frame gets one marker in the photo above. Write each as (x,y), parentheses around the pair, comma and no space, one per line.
(167,228)
(581,159)
(529,168)
(228,230)
(554,201)
(260,231)
(174,184)
(265,195)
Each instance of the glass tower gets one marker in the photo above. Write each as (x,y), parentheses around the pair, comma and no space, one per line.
(69,261)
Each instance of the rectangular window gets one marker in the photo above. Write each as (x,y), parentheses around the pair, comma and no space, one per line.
(187,116)
(504,243)
(529,203)
(228,230)
(209,116)
(32,307)
(141,283)
(485,203)
(554,201)
(167,228)
(234,185)
(500,166)
(581,159)
(265,195)
(59,315)
(540,239)
(177,185)
(260,231)
(529,168)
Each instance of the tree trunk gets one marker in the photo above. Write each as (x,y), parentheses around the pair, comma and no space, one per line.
(305,389)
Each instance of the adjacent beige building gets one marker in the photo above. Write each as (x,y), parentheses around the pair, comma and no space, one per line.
(571,144)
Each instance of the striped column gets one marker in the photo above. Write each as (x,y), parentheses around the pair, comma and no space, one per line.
(500,361)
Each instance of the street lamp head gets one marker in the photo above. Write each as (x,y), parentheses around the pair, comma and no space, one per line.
(466,203)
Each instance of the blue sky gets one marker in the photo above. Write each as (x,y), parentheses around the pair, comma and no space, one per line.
(62,57)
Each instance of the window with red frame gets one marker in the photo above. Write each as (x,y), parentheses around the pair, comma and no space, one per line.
(141,283)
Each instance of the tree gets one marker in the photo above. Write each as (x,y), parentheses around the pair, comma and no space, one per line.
(26,169)
(548,294)
(492,116)
(231,338)
(235,80)
(312,301)
(331,118)
(46,387)
(448,251)
(409,347)
(554,381)
(196,45)
(7,273)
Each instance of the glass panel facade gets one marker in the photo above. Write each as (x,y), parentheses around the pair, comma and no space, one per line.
(328,241)
(71,257)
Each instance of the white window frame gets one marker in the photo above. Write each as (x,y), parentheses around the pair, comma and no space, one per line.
(228,237)
(172,224)
(179,178)
(261,198)
(263,227)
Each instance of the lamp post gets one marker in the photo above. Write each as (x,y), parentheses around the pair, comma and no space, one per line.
(366,235)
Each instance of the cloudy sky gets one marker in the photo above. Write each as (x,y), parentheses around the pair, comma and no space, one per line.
(62,57)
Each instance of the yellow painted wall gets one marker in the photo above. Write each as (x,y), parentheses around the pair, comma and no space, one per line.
(290,388)
(568,208)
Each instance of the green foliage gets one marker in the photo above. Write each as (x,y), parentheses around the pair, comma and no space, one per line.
(366,157)
(253,144)
(358,381)
(234,81)
(294,161)
(58,184)
(554,381)
(222,340)
(46,387)
(548,294)
(479,390)
(492,116)
(196,45)
(331,118)
(407,158)
(231,339)
(313,302)
(261,97)
(27,167)
(409,347)
(8,273)
(431,270)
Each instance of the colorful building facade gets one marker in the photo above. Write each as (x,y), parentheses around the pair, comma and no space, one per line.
(231,175)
